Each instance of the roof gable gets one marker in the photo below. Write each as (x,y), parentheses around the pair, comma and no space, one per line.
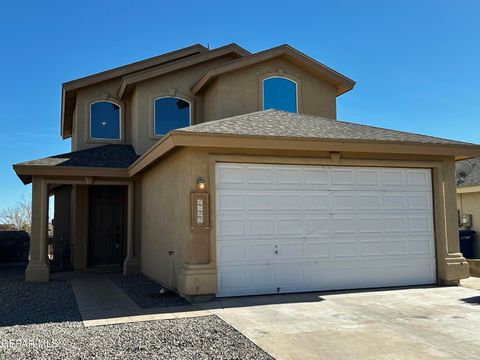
(341,82)
(69,88)
(129,80)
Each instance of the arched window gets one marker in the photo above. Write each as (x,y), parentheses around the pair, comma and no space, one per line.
(280,93)
(105,120)
(170,113)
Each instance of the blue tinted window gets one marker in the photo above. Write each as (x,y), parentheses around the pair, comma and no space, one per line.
(171,113)
(280,93)
(104,120)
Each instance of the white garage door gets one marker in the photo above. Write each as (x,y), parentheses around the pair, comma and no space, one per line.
(283,228)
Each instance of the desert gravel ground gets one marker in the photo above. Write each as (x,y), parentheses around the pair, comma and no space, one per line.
(41,321)
(147,293)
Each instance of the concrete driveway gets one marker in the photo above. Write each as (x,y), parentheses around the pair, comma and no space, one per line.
(414,323)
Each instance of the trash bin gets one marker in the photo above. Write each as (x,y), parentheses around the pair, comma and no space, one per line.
(467,242)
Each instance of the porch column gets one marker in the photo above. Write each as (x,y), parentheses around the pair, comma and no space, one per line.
(131,264)
(38,269)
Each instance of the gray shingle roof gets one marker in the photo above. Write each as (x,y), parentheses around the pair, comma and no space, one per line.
(109,156)
(468,172)
(283,124)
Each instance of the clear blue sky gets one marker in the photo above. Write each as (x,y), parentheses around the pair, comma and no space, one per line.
(416,63)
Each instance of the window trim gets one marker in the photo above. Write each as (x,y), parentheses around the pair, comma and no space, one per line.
(119,121)
(155,108)
(280,77)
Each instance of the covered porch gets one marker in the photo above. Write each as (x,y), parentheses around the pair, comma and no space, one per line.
(95,206)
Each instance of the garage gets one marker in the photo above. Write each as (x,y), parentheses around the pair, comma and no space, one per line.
(293,228)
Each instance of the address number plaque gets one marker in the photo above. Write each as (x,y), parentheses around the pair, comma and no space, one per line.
(200,211)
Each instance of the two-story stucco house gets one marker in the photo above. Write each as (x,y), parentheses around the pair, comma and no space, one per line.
(221,172)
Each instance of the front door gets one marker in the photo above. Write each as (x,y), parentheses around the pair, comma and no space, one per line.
(106,225)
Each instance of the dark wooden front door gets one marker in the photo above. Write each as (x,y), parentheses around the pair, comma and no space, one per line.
(106,225)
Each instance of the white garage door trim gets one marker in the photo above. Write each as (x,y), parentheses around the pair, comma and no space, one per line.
(292,228)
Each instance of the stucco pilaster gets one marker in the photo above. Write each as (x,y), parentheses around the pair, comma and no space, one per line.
(38,268)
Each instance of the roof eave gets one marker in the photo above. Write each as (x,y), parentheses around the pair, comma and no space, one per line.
(26,172)
(468,189)
(182,138)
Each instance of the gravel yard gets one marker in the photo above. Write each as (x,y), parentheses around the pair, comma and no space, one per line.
(41,321)
(147,293)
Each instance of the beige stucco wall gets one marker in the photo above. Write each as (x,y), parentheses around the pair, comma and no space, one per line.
(240,92)
(192,270)
(177,83)
(233,93)
(137,108)
(106,90)
(164,223)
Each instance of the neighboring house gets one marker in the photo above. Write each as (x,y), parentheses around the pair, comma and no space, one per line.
(468,205)
(181,170)
(468,190)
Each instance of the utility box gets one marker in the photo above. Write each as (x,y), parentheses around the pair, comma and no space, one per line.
(467,243)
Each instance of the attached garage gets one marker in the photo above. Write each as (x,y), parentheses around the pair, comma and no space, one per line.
(296,203)
(290,228)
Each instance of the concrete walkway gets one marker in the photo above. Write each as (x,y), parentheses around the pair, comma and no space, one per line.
(101,302)
(472,282)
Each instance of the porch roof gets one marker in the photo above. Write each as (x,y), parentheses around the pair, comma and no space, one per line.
(112,160)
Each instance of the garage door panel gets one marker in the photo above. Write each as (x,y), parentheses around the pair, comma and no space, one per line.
(369,202)
(397,246)
(315,176)
(344,201)
(317,249)
(371,247)
(289,249)
(289,276)
(395,224)
(419,201)
(260,201)
(318,225)
(286,225)
(229,174)
(287,201)
(230,252)
(368,177)
(344,224)
(260,251)
(342,176)
(343,248)
(319,275)
(283,228)
(370,224)
(419,177)
(228,226)
(394,201)
(257,226)
(317,201)
(230,201)
(261,175)
(421,245)
(421,224)
(287,175)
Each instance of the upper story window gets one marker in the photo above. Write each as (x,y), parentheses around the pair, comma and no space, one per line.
(170,113)
(280,93)
(105,120)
